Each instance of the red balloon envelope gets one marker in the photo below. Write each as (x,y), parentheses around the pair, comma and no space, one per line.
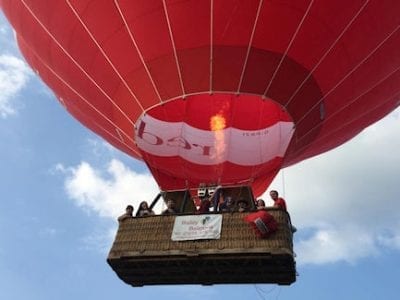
(219,91)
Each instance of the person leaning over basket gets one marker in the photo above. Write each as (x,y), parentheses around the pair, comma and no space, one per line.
(127,215)
(281,203)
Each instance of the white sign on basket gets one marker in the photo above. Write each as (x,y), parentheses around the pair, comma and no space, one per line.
(197,227)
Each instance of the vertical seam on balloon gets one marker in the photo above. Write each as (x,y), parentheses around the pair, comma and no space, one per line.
(84,99)
(348,74)
(211,43)
(288,48)
(174,48)
(327,52)
(249,47)
(103,53)
(137,49)
(349,122)
(73,60)
(352,101)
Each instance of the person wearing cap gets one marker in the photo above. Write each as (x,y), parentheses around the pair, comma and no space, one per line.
(127,215)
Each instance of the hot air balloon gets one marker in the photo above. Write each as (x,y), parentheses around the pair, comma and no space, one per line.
(216,92)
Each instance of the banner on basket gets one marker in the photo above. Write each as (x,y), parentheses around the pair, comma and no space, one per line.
(197,227)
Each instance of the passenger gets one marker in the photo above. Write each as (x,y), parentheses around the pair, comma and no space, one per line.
(260,204)
(144,210)
(127,215)
(228,205)
(242,205)
(170,208)
(278,201)
(281,203)
(217,198)
(204,205)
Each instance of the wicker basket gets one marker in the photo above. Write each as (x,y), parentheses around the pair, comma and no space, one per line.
(144,254)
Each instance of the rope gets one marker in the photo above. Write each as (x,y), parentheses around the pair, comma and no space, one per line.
(263,293)
(283,183)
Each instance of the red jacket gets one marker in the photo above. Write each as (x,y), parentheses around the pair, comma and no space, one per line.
(280,202)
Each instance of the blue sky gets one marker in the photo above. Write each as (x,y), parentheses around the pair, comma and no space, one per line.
(62,188)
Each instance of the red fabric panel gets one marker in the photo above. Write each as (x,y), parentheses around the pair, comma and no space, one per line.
(85,111)
(191,41)
(232,28)
(149,25)
(245,112)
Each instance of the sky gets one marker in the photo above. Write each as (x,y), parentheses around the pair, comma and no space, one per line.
(62,188)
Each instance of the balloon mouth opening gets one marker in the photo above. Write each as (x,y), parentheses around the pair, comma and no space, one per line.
(207,136)
(218,111)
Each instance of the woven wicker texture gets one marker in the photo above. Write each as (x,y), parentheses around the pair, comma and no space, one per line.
(151,236)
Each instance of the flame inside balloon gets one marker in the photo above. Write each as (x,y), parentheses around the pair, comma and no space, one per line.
(217,124)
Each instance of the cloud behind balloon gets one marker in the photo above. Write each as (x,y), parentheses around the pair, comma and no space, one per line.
(107,192)
(14,75)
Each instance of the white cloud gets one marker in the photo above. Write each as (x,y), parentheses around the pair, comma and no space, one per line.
(107,193)
(14,75)
(347,199)
(335,244)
